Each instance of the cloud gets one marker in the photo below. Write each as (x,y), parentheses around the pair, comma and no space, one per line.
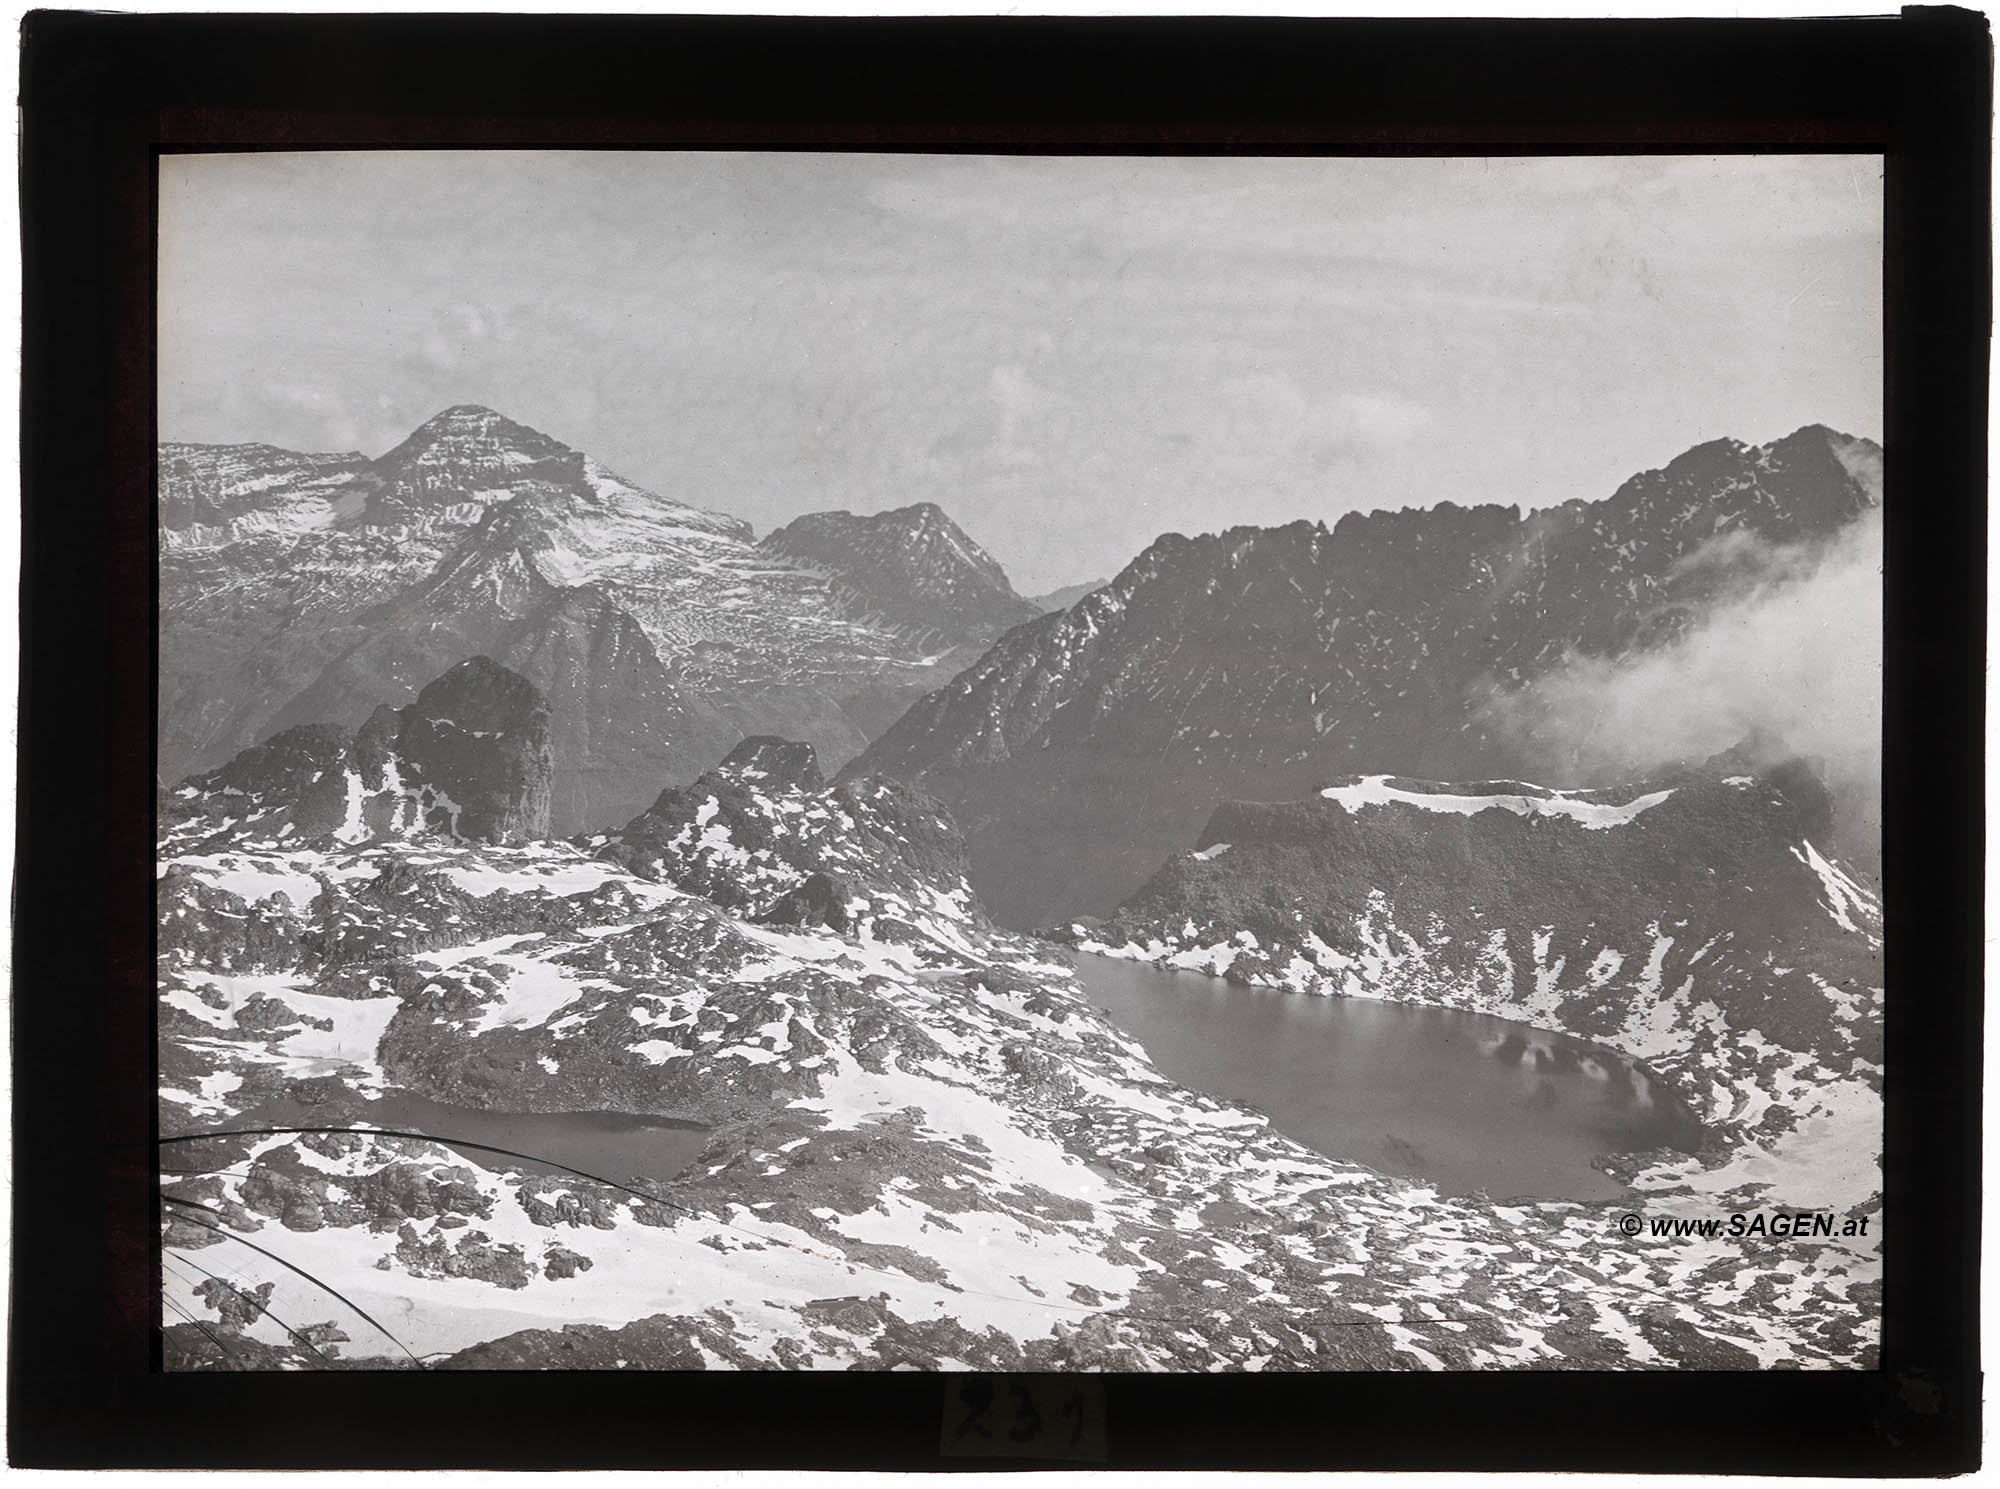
(1376,420)
(1788,659)
(1012,425)
(300,414)
(455,337)
(1271,411)
(1557,230)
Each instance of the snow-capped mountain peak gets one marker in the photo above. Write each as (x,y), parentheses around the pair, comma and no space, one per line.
(469,434)
(305,589)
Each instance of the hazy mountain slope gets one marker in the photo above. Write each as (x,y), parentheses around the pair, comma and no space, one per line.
(913,569)
(1068,595)
(308,589)
(1089,744)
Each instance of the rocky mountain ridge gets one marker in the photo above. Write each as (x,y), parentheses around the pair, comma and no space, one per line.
(308,589)
(916,1142)
(1090,744)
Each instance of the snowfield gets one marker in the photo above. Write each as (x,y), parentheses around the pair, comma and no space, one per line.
(927,1150)
(1535,801)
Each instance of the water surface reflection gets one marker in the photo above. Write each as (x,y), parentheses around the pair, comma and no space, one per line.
(1468,1102)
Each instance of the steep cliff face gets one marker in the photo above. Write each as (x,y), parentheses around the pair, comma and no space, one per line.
(469,759)
(306,589)
(1089,744)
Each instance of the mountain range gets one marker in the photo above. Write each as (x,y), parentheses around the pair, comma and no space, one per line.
(1257,663)
(499,791)
(312,589)
(907,1138)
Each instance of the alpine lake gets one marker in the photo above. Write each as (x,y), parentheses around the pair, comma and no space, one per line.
(1469,1103)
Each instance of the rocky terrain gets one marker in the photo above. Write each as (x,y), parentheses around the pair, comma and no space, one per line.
(311,589)
(470,758)
(920,1147)
(1691,922)
(1090,744)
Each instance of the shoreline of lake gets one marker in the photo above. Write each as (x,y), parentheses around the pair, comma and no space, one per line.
(602,1143)
(1470,1102)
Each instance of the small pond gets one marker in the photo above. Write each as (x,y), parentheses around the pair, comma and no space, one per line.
(1464,1101)
(612,1145)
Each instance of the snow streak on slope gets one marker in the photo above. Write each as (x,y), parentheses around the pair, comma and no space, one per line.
(1530,801)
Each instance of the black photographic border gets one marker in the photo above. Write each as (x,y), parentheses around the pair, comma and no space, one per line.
(101,94)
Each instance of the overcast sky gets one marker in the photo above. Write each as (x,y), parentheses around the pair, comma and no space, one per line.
(1070,355)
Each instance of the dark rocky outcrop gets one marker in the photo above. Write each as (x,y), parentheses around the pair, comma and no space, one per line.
(767,763)
(479,738)
(469,759)
(819,899)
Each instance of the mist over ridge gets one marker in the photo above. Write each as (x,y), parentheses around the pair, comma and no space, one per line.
(1786,662)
